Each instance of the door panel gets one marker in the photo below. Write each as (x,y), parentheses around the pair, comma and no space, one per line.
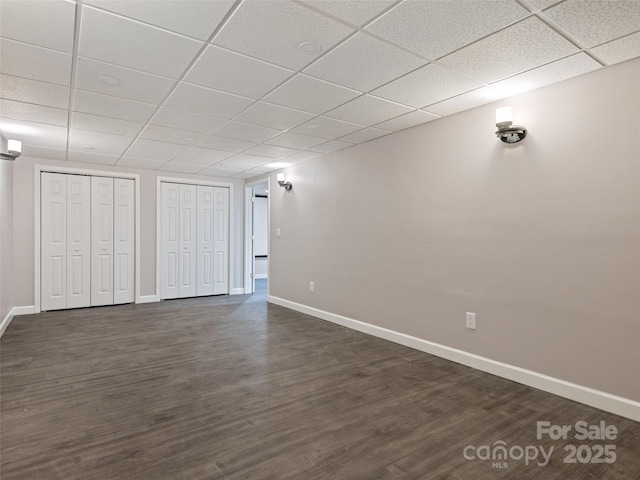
(101,241)
(53,228)
(221,240)
(187,239)
(170,194)
(124,241)
(205,241)
(78,263)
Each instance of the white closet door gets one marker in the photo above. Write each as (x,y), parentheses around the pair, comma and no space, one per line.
(123,238)
(54,241)
(78,241)
(101,241)
(221,240)
(205,241)
(187,239)
(170,193)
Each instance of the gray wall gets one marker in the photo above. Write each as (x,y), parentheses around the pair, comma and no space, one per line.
(23,228)
(6,238)
(540,239)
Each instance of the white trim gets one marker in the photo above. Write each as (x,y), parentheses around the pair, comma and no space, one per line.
(148,299)
(6,321)
(25,310)
(189,181)
(15,311)
(589,396)
(38,169)
(260,276)
(248,228)
(237,291)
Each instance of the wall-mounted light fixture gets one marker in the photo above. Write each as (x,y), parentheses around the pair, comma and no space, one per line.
(507,132)
(283,183)
(14,150)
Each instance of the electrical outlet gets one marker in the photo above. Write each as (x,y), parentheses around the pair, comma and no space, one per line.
(471,320)
(312,287)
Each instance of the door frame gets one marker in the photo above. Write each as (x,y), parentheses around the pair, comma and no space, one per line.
(37,184)
(249,286)
(192,181)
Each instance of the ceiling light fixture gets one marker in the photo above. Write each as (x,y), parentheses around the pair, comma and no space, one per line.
(310,48)
(14,150)
(283,183)
(111,81)
(507,132)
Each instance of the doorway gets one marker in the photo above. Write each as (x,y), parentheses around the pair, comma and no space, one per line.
(257,237)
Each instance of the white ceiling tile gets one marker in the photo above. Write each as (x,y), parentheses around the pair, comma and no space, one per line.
(244,161)
(114,107)
(47,23)
(273,30)
(192,18)
(203,100)
(310,94)
(226,144)
(36,63)
(246,132)
(593,22)
(356,12)
(96,142)
(299,157)
(364,135)
(97,77)
(181,167)
(325,127)
(154,150)
(435,28)
(620,50)
(96,123)
(547,74)
(202,156)
(33,113)
(36,134)
(195,122)
(427,85)
(236,73)
(465,101)
(128,43)
(367,110)
(332,146)
(141,163)
(364,63)
(246,175)
(274,116)
(90,157)
(32,91)
(42,152)
(218,171)
(165,134)
(295,140)
(271,151)
(517,52)
(538,5)
(406,121)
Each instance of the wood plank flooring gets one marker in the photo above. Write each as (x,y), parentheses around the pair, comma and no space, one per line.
(232,388)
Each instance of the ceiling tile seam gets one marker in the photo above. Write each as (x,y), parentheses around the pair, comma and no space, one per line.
(22,42)
(74,65)
(125,68)
(196,57)
(142,22)
(38,81)
(596,57)
(567,36)
(343,21)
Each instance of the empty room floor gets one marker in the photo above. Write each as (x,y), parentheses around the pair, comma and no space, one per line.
(235,388)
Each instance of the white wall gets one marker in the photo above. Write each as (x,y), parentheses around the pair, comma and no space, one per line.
(6,239)
(23,229)
(540,239)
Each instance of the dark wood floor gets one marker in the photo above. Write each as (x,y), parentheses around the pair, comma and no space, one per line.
(233,388)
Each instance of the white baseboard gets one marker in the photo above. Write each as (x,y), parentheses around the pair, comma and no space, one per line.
(14,312)
(148,299)
(237,291)
(26,310)
(589,396)
(6,321)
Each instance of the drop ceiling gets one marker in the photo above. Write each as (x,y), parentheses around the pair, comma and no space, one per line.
(238,89)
